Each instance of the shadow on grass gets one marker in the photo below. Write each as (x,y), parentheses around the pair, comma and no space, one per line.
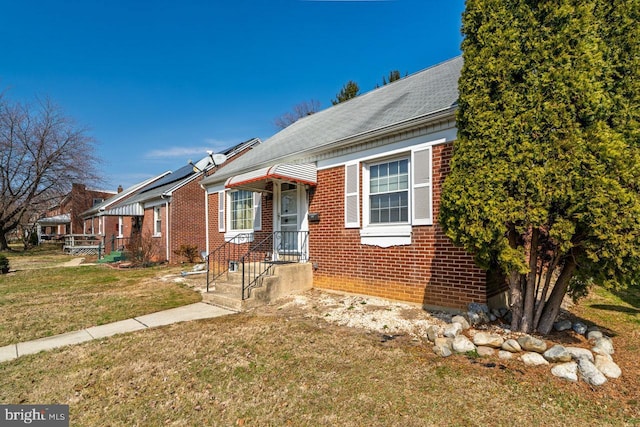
(630,295)
(619,308)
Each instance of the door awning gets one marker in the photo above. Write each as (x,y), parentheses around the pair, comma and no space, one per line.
(257,180)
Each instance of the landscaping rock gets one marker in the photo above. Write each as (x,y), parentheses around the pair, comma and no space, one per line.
(442,347)
(594,335)
(485,351)
(442,351)
(199,267)
(462,321)
(580,328)
(504,354)
(578,352)
(432,333)
(462,344)
(478,313)
(607,366)
(562,325)
(603,345)
(567,371)
(452,330)
(529,343)
(557,353)
(487,339)
(512,346)
(533,359)
(589,373)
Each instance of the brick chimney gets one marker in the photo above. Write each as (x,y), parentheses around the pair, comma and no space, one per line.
(120,188)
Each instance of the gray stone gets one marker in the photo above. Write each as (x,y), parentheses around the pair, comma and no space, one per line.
(432,333)
(474,318)
(475,307)
(562,325)
(533,359)
(594,335)
(578,353)
(512,346)
(487,339)
(607,366)
(493,317)
(462,321)
(603,345)
(199,267)
(557,353)
(503,354)
(452,330)
(589,373)
(442,350)
(567,371)
(485,351)
(496,312)
(580,328)
(462,344)
(529,343)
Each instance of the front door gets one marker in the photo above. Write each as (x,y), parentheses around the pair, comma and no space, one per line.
(289,219)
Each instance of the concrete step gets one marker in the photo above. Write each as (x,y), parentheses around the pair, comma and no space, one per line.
(222,300)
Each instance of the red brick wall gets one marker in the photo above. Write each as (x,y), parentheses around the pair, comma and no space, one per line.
(187,219)
(430,271)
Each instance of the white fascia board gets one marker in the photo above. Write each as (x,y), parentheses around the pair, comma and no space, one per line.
(436,138)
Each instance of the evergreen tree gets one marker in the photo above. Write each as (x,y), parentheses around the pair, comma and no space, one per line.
(348,91)
(545,179)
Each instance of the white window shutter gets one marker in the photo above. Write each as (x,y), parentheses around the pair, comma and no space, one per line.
(257,211)
(221,221)
(422,187)
(351,195)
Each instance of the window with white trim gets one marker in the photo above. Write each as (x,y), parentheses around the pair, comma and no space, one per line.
(120,226)
(244,210)
(396,195)
(157,221)
(389,192)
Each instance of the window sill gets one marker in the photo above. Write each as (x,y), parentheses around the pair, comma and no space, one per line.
(157,235)
(231,235)
(386,236)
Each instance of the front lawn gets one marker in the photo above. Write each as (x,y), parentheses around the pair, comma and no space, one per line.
(277,366)
(40,302)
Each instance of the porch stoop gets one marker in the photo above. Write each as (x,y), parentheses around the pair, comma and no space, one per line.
(226,292)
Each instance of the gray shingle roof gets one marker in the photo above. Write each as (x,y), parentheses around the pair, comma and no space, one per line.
(421,94)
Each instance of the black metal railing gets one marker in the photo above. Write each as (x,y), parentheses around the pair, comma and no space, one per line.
(254,256)
(226,256)
(279,247)
(119,243)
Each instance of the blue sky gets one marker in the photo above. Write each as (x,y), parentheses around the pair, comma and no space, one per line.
(160,82)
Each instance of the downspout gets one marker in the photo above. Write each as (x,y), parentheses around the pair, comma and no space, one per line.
(206,219)
(167,228)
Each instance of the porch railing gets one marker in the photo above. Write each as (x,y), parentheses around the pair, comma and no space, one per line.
(279,247)
(254,256)
(226,256)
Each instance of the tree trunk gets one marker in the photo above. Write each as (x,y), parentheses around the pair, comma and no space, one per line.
(530,285)
(552,307)
(4,245)
(515,293)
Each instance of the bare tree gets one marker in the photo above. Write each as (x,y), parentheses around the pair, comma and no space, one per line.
(303,109)
(42,152)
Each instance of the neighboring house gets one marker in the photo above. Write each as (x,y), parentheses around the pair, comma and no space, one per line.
(103,221)
(171,210)
(361,181)
(66,216)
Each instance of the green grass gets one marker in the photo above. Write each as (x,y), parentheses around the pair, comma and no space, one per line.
(275,366)
(41,302)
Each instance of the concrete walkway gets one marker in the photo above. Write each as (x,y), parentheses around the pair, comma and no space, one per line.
(185,313)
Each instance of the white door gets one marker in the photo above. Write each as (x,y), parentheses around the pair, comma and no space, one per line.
(287,240)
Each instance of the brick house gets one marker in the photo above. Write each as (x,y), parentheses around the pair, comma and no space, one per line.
(65,217)
(104,221)
(171,210)
(360,183)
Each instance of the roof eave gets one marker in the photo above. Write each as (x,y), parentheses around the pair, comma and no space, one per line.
(397,127)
